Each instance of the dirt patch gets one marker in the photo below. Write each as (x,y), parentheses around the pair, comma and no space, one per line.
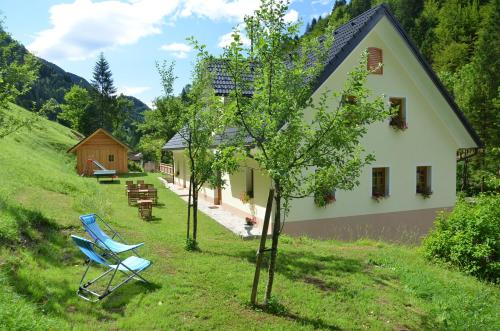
(321,284)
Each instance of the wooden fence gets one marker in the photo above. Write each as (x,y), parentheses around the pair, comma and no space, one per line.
(168,171)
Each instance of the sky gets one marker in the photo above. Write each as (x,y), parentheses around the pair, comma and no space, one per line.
(133,34)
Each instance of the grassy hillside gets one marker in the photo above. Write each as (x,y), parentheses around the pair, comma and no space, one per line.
(320,284)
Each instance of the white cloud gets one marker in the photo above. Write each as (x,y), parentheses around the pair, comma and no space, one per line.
(178,50)
(133,90)
(234,10)
(85,27)
(322,2)
(292,16)
(227,39)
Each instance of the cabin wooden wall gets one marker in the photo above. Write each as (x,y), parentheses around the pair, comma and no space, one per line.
(99,148)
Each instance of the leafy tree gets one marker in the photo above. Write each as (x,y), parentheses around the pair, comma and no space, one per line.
(203,119)
(78,105)
(17,74)
(476,90)
(104,94)
(50,109)
(301,143)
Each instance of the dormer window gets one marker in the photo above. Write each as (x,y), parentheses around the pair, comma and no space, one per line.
(398,119)
(375,61)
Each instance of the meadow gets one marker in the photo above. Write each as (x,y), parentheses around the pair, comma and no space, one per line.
(327,285)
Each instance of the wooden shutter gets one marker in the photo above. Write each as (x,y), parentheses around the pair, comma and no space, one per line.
(374,59)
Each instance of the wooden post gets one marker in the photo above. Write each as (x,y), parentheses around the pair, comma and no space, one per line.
(262,246)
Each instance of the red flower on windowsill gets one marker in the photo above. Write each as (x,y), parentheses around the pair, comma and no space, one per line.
(398,123)
(378,196)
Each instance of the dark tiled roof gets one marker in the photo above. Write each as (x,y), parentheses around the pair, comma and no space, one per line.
(223,84)
(346,38)
(177,142)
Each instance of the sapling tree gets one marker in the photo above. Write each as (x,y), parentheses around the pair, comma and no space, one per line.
(204,120)
(307,142)
(164,120)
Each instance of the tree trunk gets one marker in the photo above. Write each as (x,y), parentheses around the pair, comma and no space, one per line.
(262,247)
(189,208)
(274,246)
(195,213)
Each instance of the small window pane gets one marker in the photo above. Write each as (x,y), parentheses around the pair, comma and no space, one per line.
(111,158)
(423,180)
(379,182)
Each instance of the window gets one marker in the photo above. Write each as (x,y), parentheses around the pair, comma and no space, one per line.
(380,182)
(398,119)
(249,182)
(375,61)
(424,180)
(111,158)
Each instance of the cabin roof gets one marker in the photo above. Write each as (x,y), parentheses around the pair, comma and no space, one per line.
(101,130)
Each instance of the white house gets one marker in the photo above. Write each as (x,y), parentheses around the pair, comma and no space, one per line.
(409,163)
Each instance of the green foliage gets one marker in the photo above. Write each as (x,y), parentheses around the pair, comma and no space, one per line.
(17,74)
(162,122)
(468,237)
(275,307)
(103,95)
(76,108)
(50,109)
(191,245)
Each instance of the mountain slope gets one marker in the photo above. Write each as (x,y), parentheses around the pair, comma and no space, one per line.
(54,82)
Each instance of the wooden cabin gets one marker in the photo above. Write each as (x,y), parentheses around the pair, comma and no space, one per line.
(102,147)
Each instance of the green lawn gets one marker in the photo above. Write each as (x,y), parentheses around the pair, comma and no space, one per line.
(321,284)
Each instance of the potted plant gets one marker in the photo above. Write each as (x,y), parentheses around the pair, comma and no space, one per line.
(324,197)
(425,192)
(398,123)
(377,196)
(246,198)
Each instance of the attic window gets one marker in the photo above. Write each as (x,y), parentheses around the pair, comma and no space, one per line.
(375,61)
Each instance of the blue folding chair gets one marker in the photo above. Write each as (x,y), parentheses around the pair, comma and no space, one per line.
(131,267)
(102,239)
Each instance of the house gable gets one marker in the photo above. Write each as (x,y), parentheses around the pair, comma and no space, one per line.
(395,35)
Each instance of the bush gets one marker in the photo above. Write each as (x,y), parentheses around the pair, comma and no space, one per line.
(469,237)
(133,166)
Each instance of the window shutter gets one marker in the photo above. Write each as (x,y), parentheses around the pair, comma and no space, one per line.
(374,59)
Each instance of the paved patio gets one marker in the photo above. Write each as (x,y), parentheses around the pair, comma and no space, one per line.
(223,216)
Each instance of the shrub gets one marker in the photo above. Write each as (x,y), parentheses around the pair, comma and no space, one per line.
(469,237)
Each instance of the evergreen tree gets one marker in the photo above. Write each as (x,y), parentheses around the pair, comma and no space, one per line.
(104,95)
